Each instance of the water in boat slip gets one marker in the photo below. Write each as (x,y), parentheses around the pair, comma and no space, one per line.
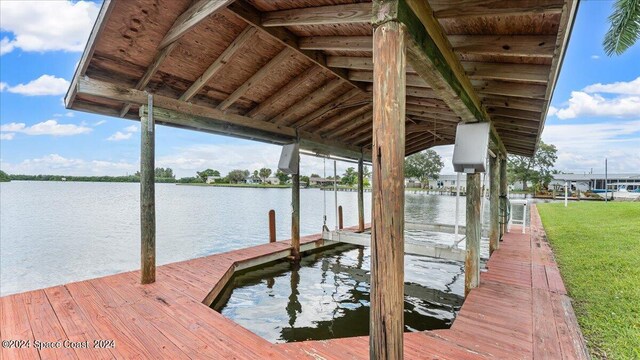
(327,296)
(58,232)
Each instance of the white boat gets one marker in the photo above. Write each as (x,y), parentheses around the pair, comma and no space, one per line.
(627,191)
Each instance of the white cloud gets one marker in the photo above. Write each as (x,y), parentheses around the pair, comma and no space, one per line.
(620,87)
(595,57)
(584,146)
(7,136)
(119,136)
(46,25)
(100,123)
(44,85)
(590,102)
(49,127)
(59,165)
(552,111)
(3,85)
(131,129)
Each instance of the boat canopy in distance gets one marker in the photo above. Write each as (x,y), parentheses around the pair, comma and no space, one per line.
(286,70)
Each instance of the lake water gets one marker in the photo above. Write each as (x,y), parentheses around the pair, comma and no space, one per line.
(53,233)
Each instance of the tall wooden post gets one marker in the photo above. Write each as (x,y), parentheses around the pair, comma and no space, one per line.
(473,231)
(503,195)
(387,231)
(340,218)
(147,196)
(494,204)
(295,213)
(360,195)
(272,226)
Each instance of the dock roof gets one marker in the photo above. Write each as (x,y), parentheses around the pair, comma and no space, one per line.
(281,70)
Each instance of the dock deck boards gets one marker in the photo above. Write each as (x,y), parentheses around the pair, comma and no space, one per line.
(520,311)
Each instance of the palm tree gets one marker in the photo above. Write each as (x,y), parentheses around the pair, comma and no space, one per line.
(625,27)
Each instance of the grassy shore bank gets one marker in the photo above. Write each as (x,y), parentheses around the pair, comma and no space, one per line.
(597,247)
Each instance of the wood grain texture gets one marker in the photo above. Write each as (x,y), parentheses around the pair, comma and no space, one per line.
(494,203)
(147,201)
(320,15)
(192,17)
(473,232)
(387,232)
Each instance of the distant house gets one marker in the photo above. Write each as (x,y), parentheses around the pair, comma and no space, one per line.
(272,180)
(213,179)
(412,183)
(584,182)
(252,180)
(319,181)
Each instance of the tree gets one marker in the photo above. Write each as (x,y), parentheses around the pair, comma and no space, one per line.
(4,177)
(264,174)
(366,173)
(162,173)
(350,177)
(314,175)
(625,27)
(235,176)
(537,169)
(304,180)
(206,173)
(424,165)
(282,177)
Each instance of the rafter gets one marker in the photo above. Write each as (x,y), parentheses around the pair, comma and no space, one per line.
(526,73)
(301,106)
(348,115)
(192,17)
(148,74)
(351,125)
(337,43)
(219,63)
(504,45)
(367,76)
(256,78)
(249,14)
(310,120)
(283,92)
(507,88)
(470,8)
(320,15)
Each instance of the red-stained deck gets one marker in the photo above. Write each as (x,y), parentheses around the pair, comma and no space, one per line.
(520,311)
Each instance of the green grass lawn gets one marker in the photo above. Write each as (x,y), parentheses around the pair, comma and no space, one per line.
(597,247)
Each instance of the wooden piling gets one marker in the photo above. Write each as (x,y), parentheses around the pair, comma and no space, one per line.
(295,213)
(360,195)
(387,231)
(494,204)
(473,231)
(340,219)
(503,195)
(147,197)
(272,226)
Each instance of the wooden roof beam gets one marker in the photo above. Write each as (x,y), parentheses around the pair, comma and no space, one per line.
(192,17)
(219,63)
(198,117)
(432,56)
(310,120)
(249,14)
(464,8)
(356,63)
(367,76)
(512,89)
(337,43)
(321,15)
(542,46)
(284,91)
(333,126)
(285,117)
(256,78)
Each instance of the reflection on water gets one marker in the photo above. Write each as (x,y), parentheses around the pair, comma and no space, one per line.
(327,296)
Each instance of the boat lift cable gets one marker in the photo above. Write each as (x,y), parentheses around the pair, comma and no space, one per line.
(324,195)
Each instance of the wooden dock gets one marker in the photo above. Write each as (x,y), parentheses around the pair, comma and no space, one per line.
(519,311)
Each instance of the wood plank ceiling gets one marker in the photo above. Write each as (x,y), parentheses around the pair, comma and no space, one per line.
(306,65)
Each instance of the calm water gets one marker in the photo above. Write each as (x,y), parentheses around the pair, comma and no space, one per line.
(327,296)
(57,232)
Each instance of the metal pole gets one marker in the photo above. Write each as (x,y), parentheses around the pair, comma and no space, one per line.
(457,203)
(566,194)
(335,189)
(606,188)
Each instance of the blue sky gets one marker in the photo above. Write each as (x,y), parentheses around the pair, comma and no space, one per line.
(595,112)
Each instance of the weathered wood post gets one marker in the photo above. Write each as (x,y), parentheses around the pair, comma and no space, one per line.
(387,231)
(503,195)
(494,204)
(295,213)
(272,226)
(473,231)
(360,195)
(147,195)
(340,219)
